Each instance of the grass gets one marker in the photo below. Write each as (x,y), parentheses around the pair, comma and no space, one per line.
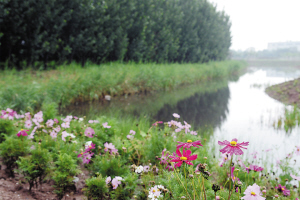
(29,90)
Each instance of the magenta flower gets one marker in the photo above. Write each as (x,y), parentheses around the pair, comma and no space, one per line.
(164,158)
(55,120)
(233,147)
(254,154)
(87,158)
(283,189)
(169,167)
(158,122)
(253,193)
(295,177)
(255,168)
(184,157)
(89,132)
(22,132)
(189,144)
(90,147)
(233,178)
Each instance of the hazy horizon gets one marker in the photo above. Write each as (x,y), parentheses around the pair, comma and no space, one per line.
(256,23)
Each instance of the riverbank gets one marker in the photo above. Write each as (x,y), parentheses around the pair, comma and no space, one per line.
(70,84)
(287,92)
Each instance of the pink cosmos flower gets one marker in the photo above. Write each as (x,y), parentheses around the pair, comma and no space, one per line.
(132,132)
(129,137)
(233,178)
(254,154)
(283,189)
(164,158)
(172,123)
(255,168)
(89,132)
(298,150)
(186,127)
(31,136)
(75,117)
(295,177)
(193,133)
(278,163)
(57,129)
(22,132)
(28,124)
(65,125)
(225,158)
(158,122)
(184,157)
(39,117)
(27,116)
(189,144)
(233,147)
(116,182)
(87,158)
(53,134)
(169,167)
(64,135)
(90,147)
(146,168)
(55,120)
(176,115)
(105,125)
(108,179)
(50,123)
(111,147)
(253,193)
(267,150)
(240,162)
(36,122)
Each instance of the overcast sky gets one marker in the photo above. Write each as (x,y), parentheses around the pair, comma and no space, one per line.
(255,23)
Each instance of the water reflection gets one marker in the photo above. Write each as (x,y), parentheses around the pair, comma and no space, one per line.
(201,109)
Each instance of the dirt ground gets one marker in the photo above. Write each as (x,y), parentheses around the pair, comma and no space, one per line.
(17,189)
(287,92)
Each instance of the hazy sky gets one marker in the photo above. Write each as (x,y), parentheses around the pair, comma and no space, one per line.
(255,23)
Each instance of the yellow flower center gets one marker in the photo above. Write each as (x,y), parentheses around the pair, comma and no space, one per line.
(225,158)
(253,194)
(183,158)
(233,143)
(81,153)
(90,146)
(298,149)
(282,189)
(233,178)
(22,129)
(153,190)
(189,141)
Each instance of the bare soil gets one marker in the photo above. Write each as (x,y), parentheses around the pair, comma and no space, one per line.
(17,189)
(287,92)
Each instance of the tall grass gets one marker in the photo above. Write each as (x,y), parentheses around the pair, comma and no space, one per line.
(29,90)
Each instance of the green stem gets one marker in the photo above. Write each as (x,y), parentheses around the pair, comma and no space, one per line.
(204,188)
(230,178)
(180,180)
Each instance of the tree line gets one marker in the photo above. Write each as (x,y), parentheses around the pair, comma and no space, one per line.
(44,31)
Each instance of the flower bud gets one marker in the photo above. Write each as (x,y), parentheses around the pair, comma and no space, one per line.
(215,187)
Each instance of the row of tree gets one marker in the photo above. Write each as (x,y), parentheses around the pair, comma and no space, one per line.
(110,30)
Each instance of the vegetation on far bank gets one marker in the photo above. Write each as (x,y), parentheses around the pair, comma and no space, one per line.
(29,90)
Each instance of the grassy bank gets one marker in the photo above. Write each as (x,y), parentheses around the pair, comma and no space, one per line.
(30,90)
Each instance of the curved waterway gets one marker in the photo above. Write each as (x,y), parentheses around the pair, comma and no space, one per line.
(235,108)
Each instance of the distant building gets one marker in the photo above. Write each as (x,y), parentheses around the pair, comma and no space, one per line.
(284,45)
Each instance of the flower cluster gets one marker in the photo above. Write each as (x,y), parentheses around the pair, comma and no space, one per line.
(131,134)
(10,114)
(87,154)
(110,147)
(115,182)
(156,192)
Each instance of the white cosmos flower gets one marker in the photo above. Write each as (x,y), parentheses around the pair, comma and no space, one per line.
(139,169)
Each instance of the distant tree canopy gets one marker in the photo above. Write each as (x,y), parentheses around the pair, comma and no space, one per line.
(112,30)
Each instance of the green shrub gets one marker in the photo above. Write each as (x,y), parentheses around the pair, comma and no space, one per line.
(96,188)
(50,110)
(63,175)
(11,149)
(36,166)
(6,128)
